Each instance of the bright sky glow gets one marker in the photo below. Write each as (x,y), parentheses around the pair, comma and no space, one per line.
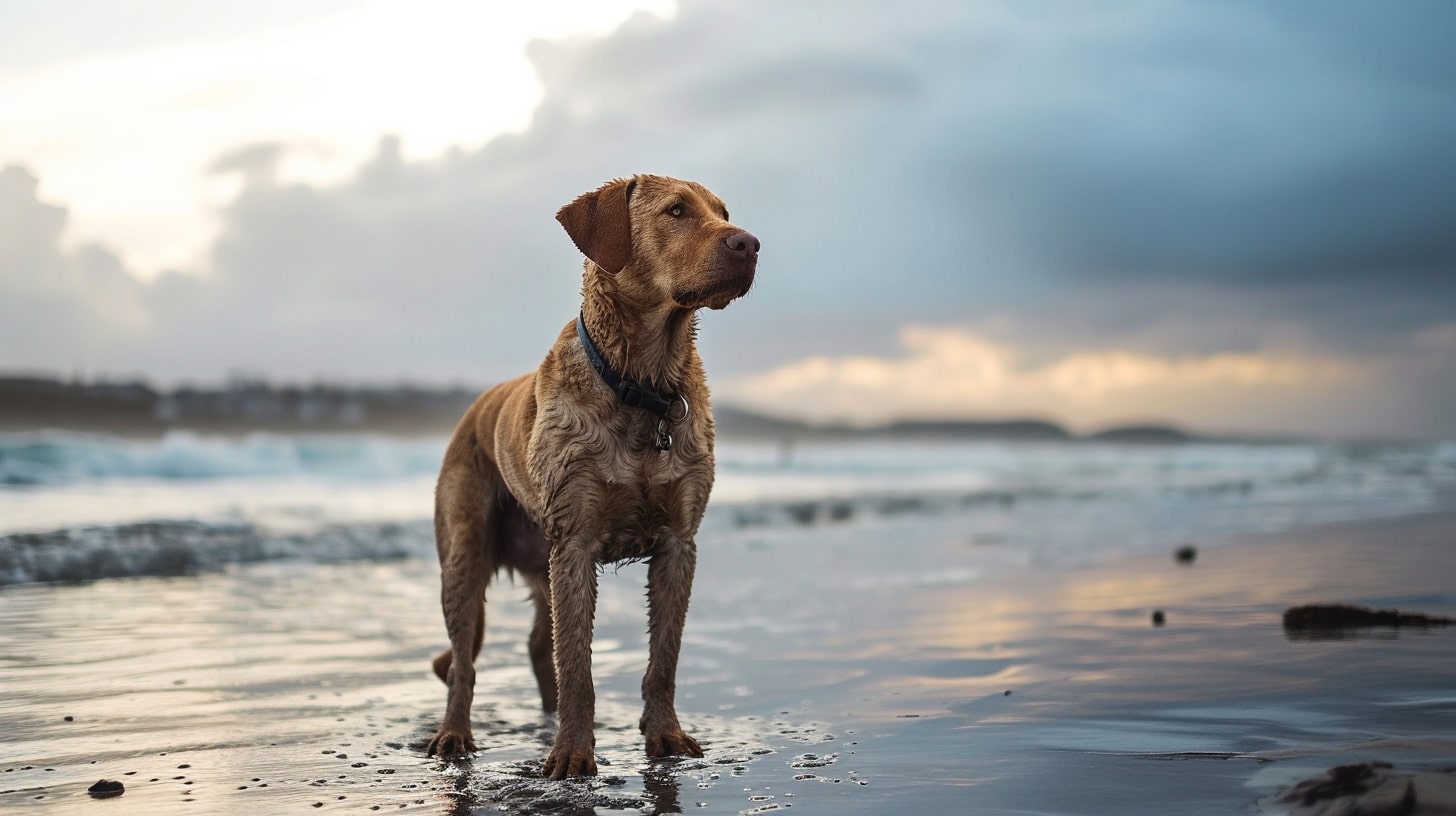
(124,138)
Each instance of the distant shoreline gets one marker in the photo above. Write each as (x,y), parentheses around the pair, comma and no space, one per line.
(135,408)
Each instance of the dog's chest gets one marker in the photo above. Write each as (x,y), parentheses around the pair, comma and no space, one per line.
(617,488)
(641,500)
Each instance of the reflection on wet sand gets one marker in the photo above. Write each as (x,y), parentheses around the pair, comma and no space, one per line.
(950,685)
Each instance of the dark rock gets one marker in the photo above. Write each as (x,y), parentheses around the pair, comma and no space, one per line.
(1159,618)
(1341,616)
(106,788)
(1186,554)
(1371,789)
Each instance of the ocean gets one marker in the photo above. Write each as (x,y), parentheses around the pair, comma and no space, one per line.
(79,507)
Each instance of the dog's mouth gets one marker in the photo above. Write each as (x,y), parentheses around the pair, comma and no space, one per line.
(718,296)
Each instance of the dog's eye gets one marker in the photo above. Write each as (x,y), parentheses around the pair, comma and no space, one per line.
(676,211)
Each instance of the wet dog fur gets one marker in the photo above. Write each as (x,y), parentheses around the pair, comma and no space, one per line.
(550,475)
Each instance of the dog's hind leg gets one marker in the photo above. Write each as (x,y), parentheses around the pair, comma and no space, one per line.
(542,659)
(523,549)
(443,659)
(465,507)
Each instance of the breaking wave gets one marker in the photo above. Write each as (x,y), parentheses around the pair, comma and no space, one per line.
(52,458)
(82,507)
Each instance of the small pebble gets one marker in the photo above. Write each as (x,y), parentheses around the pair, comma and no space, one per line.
(69,718)
(1186,554)
(1159,618)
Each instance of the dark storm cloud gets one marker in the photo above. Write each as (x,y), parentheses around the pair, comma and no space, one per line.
(1178,177)
(955,161)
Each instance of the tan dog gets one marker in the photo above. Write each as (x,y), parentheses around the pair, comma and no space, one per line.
(605,453)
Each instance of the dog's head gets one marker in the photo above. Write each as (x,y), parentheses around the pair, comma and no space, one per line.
(664,239)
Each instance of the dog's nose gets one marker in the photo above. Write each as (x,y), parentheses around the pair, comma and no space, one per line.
(742,243)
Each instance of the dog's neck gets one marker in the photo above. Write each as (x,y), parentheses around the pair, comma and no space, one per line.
(650,342)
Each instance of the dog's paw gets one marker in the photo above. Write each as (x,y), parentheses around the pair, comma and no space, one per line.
(672,742)
(567,760)
(451,743)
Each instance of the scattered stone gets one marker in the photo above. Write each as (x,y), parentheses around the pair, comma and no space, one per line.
(1186,554)
(106,788)
(1159,618)
(1342,616)
(69,718)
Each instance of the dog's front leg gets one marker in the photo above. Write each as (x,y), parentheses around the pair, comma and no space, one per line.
(669,588)
(573,608)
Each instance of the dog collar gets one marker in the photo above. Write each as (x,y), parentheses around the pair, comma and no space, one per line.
(630,392)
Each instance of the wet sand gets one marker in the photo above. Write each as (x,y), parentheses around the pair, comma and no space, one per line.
(889,667)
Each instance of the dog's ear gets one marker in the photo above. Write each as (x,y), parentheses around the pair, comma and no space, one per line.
(600,225)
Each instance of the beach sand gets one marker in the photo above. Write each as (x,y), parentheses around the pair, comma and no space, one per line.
(884,667)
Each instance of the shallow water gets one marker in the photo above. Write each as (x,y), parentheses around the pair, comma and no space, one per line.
(856,668)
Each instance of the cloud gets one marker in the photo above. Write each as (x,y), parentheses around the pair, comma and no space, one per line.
(950,371)
(59,309)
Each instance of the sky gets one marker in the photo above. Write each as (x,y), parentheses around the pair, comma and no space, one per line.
(1228,216)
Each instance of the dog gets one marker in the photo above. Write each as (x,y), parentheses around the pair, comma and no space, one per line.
(603,454)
